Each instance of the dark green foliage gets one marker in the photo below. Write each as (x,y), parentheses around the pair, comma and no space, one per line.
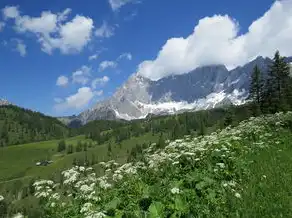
(18,126)
(69,149)
(161,142)
(230,118)
(79,146)
(277,92)
(3,209)
(256,87)
(61,146)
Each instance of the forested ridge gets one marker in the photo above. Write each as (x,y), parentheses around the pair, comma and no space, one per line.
(19,126)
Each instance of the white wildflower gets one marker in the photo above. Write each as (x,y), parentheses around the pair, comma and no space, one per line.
(95,215)
(221,165)
(86,208)
(81,169)
(175,191)
(1,198)
(237,195)
(18,215)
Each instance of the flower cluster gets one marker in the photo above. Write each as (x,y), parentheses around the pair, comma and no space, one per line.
(202,169)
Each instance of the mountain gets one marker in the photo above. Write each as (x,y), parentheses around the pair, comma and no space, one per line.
(203,88)
(18,126)
(4,102)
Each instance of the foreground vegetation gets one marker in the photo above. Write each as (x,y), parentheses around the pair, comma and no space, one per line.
(230,173)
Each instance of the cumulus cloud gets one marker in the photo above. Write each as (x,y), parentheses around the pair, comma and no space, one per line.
(62,81)
(99,81)
(78,100)
(82,75)
(117,4)
(107,64)
(105,31)
(54,31)
(10,12)
(45,24)
(216,40)
(127,56)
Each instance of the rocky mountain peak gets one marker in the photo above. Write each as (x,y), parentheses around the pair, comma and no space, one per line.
(202,88)
(4,102)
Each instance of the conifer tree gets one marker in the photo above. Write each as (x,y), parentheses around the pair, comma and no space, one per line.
(277,88)
(256,86)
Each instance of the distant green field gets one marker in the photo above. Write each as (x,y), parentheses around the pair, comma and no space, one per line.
(16,161)
(19,162)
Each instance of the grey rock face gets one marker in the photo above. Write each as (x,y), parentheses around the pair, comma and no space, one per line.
(203,88)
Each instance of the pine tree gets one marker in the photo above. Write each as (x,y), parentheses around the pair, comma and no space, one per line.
(256,86)
(277,87)
(61,146)
(202,128)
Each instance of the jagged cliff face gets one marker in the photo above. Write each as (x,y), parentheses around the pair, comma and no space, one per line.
(203,88)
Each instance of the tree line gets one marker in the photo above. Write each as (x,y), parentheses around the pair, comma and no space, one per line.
(19,126)
(272,93)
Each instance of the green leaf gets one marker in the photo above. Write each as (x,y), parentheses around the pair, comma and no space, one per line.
(156,210)
(119,214)
(113,204)
(180,205)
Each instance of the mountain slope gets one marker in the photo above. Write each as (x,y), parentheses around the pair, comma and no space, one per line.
(203,88)
(18,125)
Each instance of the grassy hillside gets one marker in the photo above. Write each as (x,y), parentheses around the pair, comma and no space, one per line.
(18,168)
(236,172)
(18,126)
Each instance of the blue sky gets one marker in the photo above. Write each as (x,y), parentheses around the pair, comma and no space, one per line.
(61,57)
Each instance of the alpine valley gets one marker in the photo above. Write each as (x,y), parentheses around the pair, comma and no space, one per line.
(203,88)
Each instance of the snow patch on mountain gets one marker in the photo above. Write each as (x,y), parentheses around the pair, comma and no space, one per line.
(171,107)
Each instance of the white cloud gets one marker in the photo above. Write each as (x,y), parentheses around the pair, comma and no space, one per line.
(62,81)
(52,30)
(78,100)
(75,35)
(126,56)
(93,57)
(100,81)
(45,24)
(107,64)
(117,4)
(97,54)
(82,75)
(216,40)
(105,31)
(2,25)
(19,46)
(10,12)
